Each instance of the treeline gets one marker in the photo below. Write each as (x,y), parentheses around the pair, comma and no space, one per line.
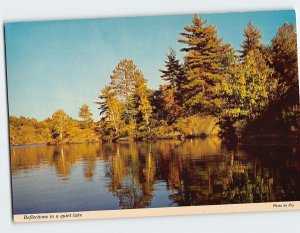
(60,128)
(239,91)
(240,95)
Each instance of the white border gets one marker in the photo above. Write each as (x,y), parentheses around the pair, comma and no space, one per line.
(151,212)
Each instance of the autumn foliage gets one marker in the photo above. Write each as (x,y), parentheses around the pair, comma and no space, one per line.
(213,90)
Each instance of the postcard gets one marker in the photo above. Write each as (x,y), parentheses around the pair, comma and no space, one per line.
(154,115)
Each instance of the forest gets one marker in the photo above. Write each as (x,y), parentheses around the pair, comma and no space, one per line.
(245,95)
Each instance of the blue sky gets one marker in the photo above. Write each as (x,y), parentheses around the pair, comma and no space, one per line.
(63,64)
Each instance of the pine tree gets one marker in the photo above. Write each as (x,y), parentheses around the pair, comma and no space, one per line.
(158,106)
(172,91)
(252,40)
(174,72)
(284,61)
(206,64)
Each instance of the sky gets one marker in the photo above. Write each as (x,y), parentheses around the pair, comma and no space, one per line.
(63,64)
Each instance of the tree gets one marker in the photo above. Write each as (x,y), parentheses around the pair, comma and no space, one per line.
(285,63)
(128,82)
(139,109)
(124,101)
(172,91)
(206,64)
(23,130)
(247,92)
(111,109)
(142,102)
(123,79)
(59,122)
(86,115)
(170,104)
(174,72)
(252,40)
(157,102)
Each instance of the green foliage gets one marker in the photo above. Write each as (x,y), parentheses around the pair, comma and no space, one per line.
(206,65)
(254,86)
(247,91)
(174,74)
(124,105)
(156,99)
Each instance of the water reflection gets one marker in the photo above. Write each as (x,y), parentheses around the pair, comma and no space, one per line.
(158,174)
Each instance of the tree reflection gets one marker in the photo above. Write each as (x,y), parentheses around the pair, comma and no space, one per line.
(193,172)
(132,175)
(62,162)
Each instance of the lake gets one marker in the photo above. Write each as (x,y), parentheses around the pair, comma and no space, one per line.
(108,176)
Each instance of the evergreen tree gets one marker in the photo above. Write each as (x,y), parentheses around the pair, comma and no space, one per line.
(285,63)
(252,40)
(172,92)
(157,102)
(174,72)
(206,64)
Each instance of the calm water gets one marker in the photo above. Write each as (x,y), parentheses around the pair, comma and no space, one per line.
(159,174)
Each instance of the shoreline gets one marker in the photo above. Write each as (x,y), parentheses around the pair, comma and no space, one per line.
(259,140)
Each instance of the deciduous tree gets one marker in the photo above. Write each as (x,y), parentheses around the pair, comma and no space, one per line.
(124,101)
(123,79)
(86,115)
(247,91)
(59,123)
(111,109)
